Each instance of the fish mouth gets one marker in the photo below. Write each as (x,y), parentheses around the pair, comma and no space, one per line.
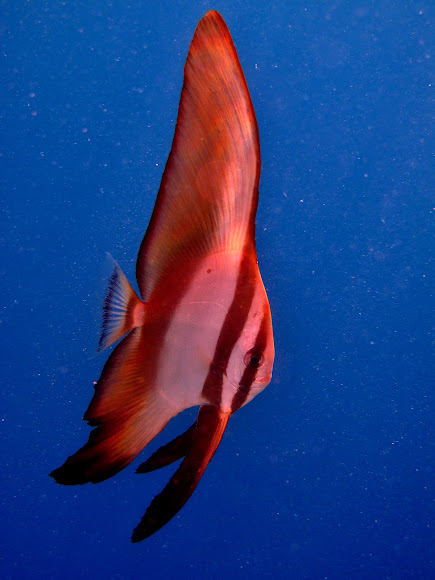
(264,380)
(259,383)
(256,386)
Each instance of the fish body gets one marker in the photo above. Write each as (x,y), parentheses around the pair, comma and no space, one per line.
(200,334)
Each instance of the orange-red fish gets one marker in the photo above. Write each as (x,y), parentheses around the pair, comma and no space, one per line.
(201,333)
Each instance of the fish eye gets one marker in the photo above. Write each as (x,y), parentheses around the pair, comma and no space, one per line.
(253,359)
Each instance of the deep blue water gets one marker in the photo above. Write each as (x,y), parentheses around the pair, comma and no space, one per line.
(328,474)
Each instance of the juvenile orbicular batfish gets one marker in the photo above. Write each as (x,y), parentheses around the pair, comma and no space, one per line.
(201,333)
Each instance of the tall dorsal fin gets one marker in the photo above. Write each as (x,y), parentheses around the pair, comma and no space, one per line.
(208,195)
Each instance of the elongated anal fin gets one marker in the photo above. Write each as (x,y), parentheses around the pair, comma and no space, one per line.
(127,410)
(122,309)
(209,428)
(167,454)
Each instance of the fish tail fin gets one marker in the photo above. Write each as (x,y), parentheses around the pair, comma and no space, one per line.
(122,309)
(209,428)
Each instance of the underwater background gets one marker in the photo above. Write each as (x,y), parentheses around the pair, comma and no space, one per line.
(328,474)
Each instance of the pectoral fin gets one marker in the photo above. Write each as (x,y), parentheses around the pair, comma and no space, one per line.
(122,309)
(209,428)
